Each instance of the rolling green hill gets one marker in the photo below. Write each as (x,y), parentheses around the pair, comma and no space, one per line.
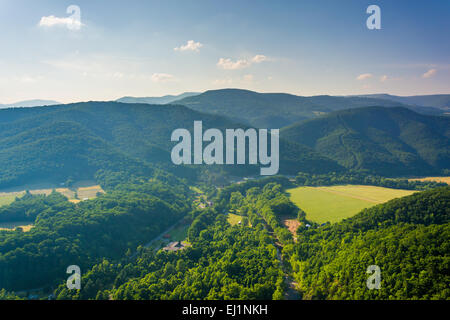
(75,141)
(56,152)
(434,100)
(157,100)
(387,141)
(407,238)
(276,110)
(30,103)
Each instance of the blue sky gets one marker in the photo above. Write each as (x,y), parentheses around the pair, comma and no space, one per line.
(301,47)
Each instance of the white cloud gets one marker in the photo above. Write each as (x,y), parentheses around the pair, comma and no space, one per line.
(191,45)
(52,21)
(364,76)
(162,77)
(228,64)
(259,58)
(248,78)
(383,78)
(72,22)
(429,73)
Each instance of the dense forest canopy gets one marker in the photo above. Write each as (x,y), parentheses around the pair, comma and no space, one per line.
(277,110)
(125,148)
(82,234)
(408,238)
(385,141)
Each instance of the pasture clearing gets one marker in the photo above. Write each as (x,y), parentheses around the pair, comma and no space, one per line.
(234,219)
(10,226)
(335,203)
(7,199)
(82,190)
(436,179)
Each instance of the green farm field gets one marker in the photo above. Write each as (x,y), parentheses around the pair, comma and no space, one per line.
(9,226)
(335,203)
(6,199)
(85,189)
(234,219)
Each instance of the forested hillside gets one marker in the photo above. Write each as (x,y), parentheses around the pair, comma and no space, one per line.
(433,100)
(55,143)
(277,110)
(386,141)
(223,261)
(126,149)
(157,100)
(408,238)
(83,234)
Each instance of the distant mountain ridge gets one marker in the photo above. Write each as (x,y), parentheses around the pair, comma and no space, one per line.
(276,110)
(435,100)
(30,103)
(157,100)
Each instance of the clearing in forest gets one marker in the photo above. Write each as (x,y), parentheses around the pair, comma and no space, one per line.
(335,203)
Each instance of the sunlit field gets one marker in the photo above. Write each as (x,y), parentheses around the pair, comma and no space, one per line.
(332,204)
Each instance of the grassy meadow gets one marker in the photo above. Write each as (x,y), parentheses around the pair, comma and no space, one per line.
(6,199)
(437,179)
(25,225)
(81,190)
(335,203)
(234,219)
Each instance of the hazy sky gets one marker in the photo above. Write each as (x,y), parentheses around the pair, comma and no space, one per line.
(152,48)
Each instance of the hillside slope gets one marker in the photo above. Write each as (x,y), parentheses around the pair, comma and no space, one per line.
(157,100)
(30,104)
(276,110)
(388,141)
(406,238)
(77,140)
(434,100)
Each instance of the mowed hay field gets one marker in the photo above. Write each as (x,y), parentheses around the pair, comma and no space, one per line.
(7,199)
(335,203)
(8,226)
(234,219)
(83,189)
(437,179)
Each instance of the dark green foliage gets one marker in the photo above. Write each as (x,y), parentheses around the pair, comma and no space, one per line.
(266,205)
(157,100)
(223,196)
(407,237)
(77,140)
(432,100)
(414,264)
(363,178)
(28,207)
(385,141)
(223,263)
(5,295)
(67,234)
(273,110)
(126,148)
